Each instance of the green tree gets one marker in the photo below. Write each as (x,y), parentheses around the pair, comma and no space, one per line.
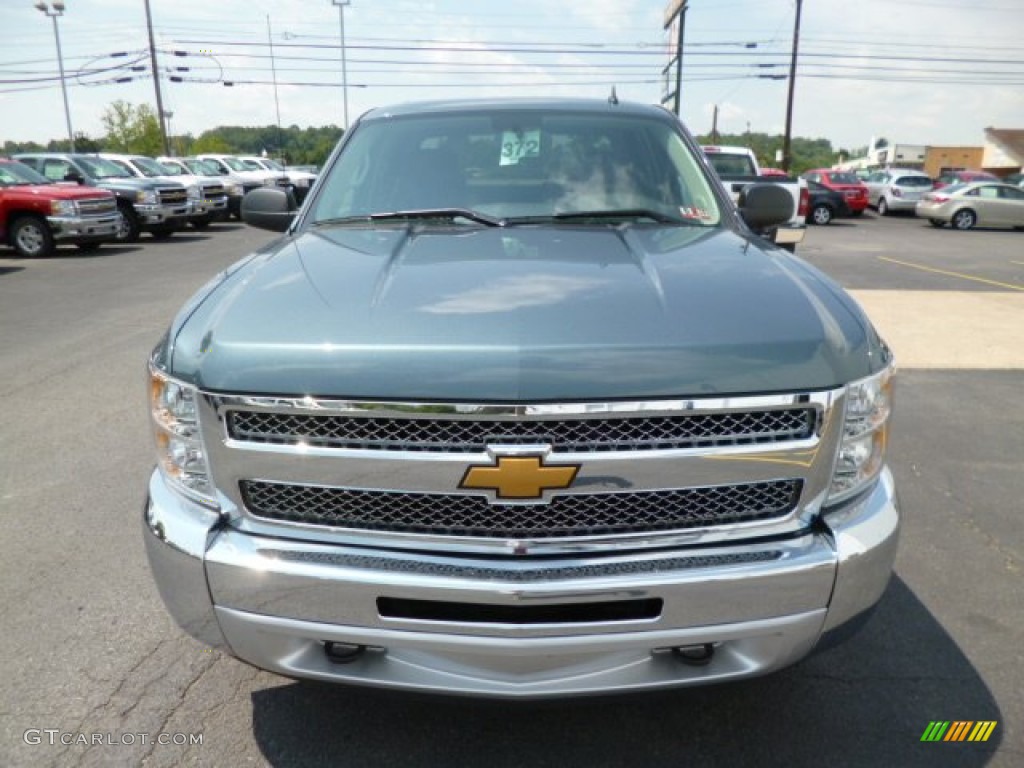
(807,153)
(210,143)
(85,143)
(132,129)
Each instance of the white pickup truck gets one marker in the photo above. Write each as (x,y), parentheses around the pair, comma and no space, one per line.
(737,168)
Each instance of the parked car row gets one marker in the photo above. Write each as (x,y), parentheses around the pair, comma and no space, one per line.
(47,198)
(963,199)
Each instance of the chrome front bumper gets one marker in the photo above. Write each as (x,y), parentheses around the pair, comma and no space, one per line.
(208,206)
(275,603)
(84,227)
(158,214)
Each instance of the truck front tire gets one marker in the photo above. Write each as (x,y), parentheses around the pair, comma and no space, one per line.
(31,237)
(128,231)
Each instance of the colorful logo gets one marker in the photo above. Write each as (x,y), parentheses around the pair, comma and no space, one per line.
(520,477)
(959,730)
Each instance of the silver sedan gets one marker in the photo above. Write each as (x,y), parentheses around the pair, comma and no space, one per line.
(896,189)
(980,203)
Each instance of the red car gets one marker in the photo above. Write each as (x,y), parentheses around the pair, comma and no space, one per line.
(844,182)
(962,177)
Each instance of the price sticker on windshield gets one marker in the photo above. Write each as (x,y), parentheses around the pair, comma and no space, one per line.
(515,146)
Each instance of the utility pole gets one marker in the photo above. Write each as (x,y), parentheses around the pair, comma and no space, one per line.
(714,126)
(156,81)
(786,157)
(277,103)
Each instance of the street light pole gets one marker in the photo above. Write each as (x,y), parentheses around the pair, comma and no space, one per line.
(344,74)
(58,10)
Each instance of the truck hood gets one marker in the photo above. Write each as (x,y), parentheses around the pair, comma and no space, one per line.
(132,183)
(528,313)
(57,192)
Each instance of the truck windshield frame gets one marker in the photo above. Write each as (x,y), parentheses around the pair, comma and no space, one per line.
(526,165)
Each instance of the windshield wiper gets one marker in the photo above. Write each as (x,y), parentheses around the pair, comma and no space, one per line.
(420,213)
(440,213)
(622,213)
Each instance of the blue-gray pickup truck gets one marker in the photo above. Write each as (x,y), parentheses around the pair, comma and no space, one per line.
(520,405)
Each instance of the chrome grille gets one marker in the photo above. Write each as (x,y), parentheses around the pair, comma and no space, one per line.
(173,196)
(97,206)
(564,516)
(214,190)
(608,433)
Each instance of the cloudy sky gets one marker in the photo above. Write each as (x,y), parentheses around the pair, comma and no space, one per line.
(914,71)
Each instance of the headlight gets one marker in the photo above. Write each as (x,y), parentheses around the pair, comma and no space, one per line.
(233,190)
(63,207)
(865,435)
(193,192)
(181,456)
(270,181)
(146,197)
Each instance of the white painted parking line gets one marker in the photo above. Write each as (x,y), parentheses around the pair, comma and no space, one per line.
(950,329)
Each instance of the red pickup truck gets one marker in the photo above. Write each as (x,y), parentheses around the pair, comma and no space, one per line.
(37,214)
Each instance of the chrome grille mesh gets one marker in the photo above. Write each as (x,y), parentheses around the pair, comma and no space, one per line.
(564,516)
(173,196)
(97,206)
(608,433)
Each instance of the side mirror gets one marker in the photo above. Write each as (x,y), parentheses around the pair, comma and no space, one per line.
(764,206)
(268,208)
(75,176)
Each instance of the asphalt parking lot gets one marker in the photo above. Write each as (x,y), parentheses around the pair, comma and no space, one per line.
(88,652)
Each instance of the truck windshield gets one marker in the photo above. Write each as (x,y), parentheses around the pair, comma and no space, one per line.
(173,169)
(237,165)
(99,168)
(530,165)
(149,167)
(202,167)
(19,174)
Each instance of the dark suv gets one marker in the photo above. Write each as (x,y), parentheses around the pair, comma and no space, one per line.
(157,207)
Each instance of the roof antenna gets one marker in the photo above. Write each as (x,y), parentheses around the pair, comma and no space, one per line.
(613,99)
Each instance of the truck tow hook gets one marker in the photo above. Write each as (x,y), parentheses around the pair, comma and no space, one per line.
(695,655)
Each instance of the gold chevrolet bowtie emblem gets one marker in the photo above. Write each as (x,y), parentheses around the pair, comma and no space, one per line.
(519,477)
